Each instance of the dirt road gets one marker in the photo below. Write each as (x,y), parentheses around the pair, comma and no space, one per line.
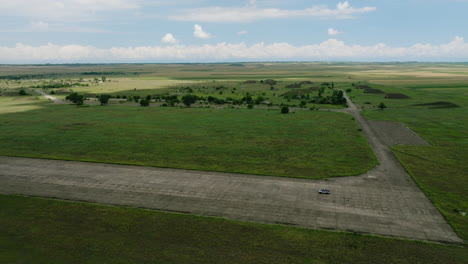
(50,97)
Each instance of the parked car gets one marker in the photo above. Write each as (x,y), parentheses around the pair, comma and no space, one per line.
(324,191)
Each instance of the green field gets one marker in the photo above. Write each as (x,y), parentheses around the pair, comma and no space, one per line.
(253,141)
(34,230)
(259,141)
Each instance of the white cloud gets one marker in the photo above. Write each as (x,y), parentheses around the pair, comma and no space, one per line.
(333,32)
(250,13)
(39,26)
(242,32)
(198,32)
(169,39)
(63,9)
(332,49)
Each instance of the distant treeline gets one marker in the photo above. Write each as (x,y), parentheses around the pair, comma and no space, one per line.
(58,85)
(61,75)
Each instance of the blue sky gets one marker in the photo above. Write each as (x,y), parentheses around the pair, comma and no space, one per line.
(63,31)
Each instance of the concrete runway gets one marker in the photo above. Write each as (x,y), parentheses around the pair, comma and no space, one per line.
(366,203)
(383,201)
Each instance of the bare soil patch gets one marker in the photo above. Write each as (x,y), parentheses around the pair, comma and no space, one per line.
(396,133)
(439,104)
(368,89)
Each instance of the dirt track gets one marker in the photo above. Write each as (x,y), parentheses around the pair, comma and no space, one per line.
(383,201)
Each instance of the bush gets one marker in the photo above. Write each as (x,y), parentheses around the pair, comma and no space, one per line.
(250,106)
(284,110)
(22,92)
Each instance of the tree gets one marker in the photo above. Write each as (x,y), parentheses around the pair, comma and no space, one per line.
(103,78)
(22,92)
(144,102)
(75,98)
(104,99)
(284,110)
(189,99)
(382,106)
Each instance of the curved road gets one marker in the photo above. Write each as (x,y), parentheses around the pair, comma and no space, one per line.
(383,201)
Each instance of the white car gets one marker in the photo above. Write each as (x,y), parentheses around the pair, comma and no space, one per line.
(324,191)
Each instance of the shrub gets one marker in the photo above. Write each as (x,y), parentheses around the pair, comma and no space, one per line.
(284,110)
(22,92)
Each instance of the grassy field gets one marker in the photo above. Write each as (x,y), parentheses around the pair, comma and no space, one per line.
(240,140)
(250,141)
(438,113)
(34,230)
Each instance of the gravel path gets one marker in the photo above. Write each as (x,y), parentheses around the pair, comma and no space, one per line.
(50,97)
(383,201)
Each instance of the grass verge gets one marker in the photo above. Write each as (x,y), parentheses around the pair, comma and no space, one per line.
(36,230)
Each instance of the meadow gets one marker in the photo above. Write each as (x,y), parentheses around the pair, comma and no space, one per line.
(306,143)
(254,141)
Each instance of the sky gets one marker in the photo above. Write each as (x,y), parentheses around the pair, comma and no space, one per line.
(164,31)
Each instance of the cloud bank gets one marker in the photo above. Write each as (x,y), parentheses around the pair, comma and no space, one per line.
(63,9)
(251,13)
(329,50)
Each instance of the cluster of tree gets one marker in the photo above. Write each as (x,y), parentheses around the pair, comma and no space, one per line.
(336,98)
(329,85)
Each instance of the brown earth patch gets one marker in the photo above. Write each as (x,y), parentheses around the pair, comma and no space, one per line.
(373,91)
(294,85)
(396,96)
